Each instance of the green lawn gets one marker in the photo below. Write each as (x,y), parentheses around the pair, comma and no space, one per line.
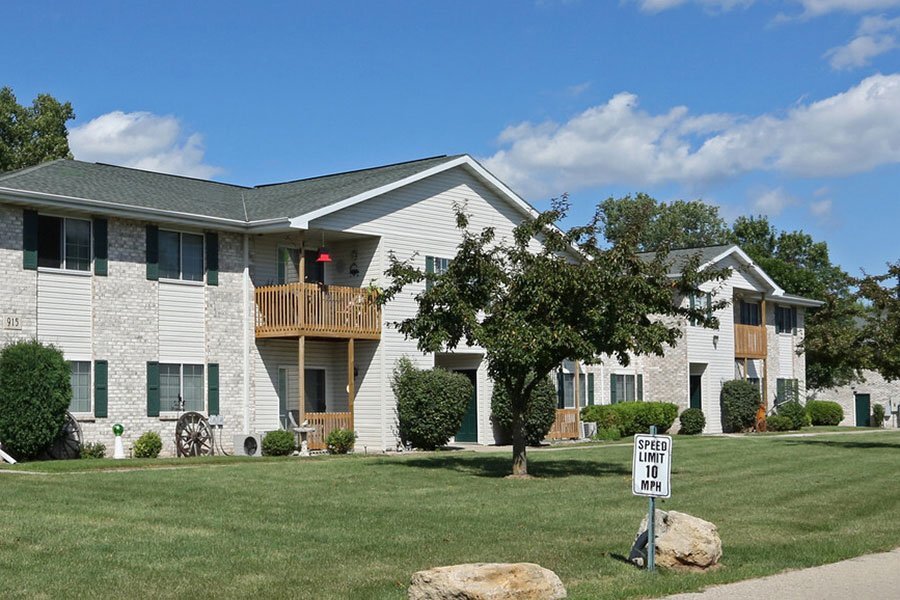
(358,527)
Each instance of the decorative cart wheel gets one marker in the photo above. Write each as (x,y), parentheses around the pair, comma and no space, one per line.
(68,443)
(193,436)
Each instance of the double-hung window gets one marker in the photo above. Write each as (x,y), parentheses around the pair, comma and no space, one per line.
(567,398)
(180,255)
(625,388)
(434,265)
(785,319)
(749,313)
(787,390)
(80,379)
(701,300)
(181,387)
(64,243)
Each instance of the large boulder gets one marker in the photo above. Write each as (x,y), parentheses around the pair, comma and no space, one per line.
(487,581)
(684,542)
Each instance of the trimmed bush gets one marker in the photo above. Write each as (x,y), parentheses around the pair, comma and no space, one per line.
(539,416)
(740,401)
(692,421)
(795,412)
(149,445)
(823,412)
(278,443)
(431,404)
(779,423)
(608,434)
(93,450)
(632,417)
(340,441)
(35,391)
(877,415)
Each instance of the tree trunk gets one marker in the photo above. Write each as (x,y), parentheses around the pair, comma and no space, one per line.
(520,463)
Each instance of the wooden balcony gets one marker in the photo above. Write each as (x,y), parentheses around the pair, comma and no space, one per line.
(749,341)
(318,311)
(565,427)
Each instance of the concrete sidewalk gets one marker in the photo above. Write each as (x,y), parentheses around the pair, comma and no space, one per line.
(873,576)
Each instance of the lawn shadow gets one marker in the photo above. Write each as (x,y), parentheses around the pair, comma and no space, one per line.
(501,466)
(840,443)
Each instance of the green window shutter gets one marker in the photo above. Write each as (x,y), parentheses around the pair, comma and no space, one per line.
(560,390)
(779,391)
(152,252)
(212,259)
(429,270)
(640,387)
(30,240)
(612,389)
(101,389)
(709,311)
(590,389)
(152,389)
(213,388)
(101,247)
(693,306)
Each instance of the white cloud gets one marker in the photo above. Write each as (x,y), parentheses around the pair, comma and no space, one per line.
(656,6)
(618,143)
(820,208)
(816,8)
(142,140)
(874,36)
(773,202)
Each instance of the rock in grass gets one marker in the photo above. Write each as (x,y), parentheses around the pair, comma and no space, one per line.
(487,581)
(685,542)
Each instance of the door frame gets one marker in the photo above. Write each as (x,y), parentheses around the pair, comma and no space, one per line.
(856,407)
(472,374)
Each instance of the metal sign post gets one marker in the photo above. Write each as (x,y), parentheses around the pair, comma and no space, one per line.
(652,476)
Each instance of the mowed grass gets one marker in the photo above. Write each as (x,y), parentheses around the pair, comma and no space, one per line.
(358,527)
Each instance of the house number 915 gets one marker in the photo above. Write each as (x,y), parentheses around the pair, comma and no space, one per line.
(11,322)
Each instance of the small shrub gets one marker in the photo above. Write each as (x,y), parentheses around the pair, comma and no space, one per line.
(692,421)
(340,440)
(823,412)
(278,443)
(740,401)
(539,416)
(608,434)
(795,412)
(632,417)
(149,445)
(779,423)
(431,404)
(93,450)
(877,415)
(35,391)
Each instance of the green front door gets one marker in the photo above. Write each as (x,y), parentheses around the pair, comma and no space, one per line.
(468,431)
(863,410)
(696,391)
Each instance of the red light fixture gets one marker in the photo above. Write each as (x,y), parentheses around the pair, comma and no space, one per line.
(323,256)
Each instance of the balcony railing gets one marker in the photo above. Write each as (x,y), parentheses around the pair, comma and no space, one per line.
(565,426)
(314,310)
(749,341)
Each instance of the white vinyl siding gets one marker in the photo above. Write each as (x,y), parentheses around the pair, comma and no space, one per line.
(64,307)
(182,332)
(81,386)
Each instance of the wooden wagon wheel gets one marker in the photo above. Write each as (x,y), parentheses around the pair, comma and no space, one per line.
(68,442)
(193,436)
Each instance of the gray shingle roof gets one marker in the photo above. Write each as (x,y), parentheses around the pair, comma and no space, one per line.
(146,189)
(677,259)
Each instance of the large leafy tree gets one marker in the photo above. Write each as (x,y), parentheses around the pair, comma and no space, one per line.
(30,135)
(679,224)
(530,306)
(880,333)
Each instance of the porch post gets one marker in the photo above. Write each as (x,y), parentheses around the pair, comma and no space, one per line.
(577,396)
(351,382)
(301,377)
(765,377)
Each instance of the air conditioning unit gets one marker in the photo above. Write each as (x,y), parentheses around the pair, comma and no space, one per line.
(247,444)
(588,430)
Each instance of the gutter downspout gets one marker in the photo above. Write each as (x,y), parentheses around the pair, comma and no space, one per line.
(245,284)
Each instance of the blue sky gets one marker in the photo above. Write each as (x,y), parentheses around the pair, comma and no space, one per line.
(787,108)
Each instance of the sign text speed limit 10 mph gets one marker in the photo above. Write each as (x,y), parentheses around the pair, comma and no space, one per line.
(652,466)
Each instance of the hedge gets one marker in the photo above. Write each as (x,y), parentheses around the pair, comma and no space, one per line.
(692,421)
(632,417)
(824,412)
(740,401)
(431,404)
(795,412)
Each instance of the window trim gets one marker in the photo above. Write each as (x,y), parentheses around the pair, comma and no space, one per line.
(89,413)
(180,278)
(62,245)
(792,318)
(165,410)
(623,385)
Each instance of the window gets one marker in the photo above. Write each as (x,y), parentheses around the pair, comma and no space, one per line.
(435,265)
(314,390)
(180,256)
(181,387)
(626,388)
(785,319)
(81,387)
(64,243)
(787,390)
(749,313)
(568,394)
(700,300)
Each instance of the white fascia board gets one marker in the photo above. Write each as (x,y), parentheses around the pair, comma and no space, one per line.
(58,201)
(745,258)
(302,221)
(798,301)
